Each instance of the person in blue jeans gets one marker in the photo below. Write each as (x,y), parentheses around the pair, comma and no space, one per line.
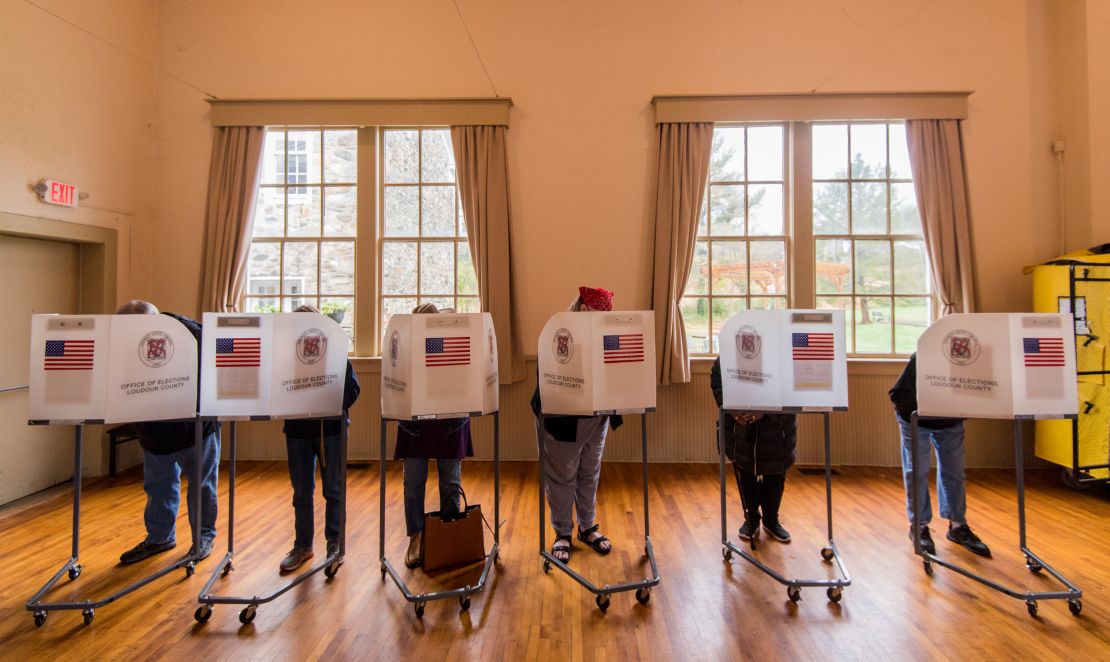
(169,450)
(946,436)
(307,439)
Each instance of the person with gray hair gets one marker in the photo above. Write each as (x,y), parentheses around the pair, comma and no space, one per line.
(168,452)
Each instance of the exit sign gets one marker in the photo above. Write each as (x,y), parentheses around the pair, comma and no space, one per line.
(58,193)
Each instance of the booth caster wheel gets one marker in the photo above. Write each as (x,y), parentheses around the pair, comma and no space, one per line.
(794,593)
(40,618)
(643,595)
(75,571)
(928,567)
(190,568)
(727,553)
(227,569)
(546,567)
(602,603)
(203,613)
(88,616)
(246,617)
(464,602)
(1075,607)
(330,571)
(1031,605)
(1032,565)
(827,553)
(384,572)
(834,594)
(419,609)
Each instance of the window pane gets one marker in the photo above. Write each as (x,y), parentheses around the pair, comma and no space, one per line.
(767,303)
(840,303)
(393,306)
(262,305)
(437,268)
(768,267)
(300,268)
(340,211)
(341,156)
(830,151)
(765,207)
(695,315)
(723,309)
(337,267)
(303,149)
(834,266)
(910,268)
(911,317)
(438,211)
(437,162)
(402,215)
(304,212)
(765,147)
(869,208)
(730,269)
(273,159)
(703,219)
(904,218)
(698,282)
(873,325)
(401,157)
(830,208)
(726,204)
(899,154)
(868,151)
(466,281)
(726,161)
(347,305)
(399,267)
(269,213)
(263,267)
(872,267)
(289,304)
(459,213)
(469,305)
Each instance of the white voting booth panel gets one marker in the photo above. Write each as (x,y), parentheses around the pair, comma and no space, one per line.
(114,368)
(784,359)
(594,361)
(439,364)
(279,365)
(997,365)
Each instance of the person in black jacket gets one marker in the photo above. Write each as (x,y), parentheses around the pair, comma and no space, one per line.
(947,437)
(305,440)
(762,448)
(168,452)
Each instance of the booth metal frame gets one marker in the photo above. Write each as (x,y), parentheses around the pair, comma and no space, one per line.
(420,600)
(833,587)
(73,568)
(329,566)
(643,587)
(1034,563)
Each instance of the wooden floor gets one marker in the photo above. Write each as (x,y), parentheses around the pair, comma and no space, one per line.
(705,608)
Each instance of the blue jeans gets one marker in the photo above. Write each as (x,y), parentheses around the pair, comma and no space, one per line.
(302,474)
(416,476)
(951,490)
(162,482)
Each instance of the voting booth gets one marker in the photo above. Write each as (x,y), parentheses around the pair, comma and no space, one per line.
(264,366)
(439,366)
(1016,366)
(107,369)
(784,361)
(595,363)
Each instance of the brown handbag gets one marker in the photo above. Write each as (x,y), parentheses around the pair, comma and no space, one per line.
(454,539)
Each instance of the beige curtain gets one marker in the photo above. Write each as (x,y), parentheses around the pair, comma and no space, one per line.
(940,180)
(232,184)
(483,176)
(683,169)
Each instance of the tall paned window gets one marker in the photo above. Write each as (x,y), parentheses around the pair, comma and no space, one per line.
(870,256)
(424,255)
(740,259)
(306,224)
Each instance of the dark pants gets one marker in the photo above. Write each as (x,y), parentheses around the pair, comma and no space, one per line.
(302,473)
(761,495)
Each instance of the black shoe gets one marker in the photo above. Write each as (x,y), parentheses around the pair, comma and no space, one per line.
(927,544)
(205,550)
(333,549)
(777,531)
(145,550)
(963,535)
(749,530)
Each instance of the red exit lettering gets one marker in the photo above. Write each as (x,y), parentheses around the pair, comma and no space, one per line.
(60,193)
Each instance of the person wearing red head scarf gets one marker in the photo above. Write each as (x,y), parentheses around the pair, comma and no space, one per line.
(574,446)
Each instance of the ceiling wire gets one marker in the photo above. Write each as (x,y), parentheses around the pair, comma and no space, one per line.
(475,47)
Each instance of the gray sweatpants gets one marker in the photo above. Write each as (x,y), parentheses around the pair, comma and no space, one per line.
(572,472)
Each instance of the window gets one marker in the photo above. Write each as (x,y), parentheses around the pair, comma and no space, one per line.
(866,256)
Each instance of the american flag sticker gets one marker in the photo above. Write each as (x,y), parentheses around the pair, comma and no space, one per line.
(238,352)
(812,346)
(69,355)
(626,348)
(1043,352)
(445,351)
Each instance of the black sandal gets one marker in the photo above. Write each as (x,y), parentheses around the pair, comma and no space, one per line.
(584,536)
(556,548)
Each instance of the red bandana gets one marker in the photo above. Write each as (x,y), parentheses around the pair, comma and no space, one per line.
(596,298)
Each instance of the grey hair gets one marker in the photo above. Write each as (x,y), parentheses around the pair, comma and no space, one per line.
(137,307)
(577,306)
(425,308)
(306,308)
